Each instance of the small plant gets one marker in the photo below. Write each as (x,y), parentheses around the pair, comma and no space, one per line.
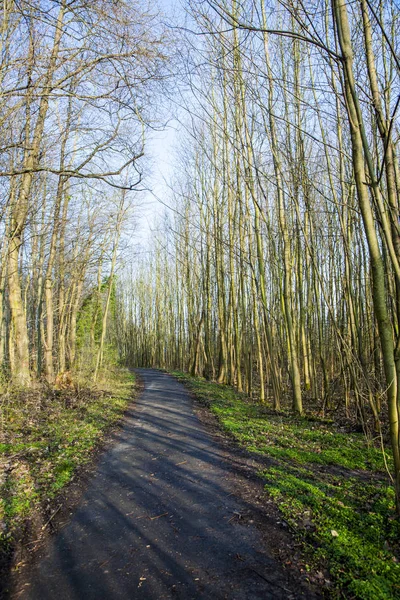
(47,435)
(331,488)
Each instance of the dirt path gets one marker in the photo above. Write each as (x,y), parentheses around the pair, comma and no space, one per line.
(161,519)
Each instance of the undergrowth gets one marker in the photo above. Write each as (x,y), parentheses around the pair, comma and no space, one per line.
(45,434)
(331,487)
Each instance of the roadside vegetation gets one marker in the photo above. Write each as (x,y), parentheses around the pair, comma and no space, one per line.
(46,435)
(81,83)
(330,484)
(278,269)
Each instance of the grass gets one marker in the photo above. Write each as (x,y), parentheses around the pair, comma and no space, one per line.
(331,487)
(45,435)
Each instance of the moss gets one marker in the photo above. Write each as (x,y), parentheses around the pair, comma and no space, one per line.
(331,488)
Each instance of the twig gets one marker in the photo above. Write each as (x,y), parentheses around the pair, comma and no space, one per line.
(34,542)
(158,516)
(268,580)
(52,516)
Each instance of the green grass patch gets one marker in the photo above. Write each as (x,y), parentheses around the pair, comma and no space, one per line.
(45,435)
(331,487)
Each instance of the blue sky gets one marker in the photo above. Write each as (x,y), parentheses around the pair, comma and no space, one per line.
(160,149)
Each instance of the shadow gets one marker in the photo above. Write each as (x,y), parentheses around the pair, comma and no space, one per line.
(160,518)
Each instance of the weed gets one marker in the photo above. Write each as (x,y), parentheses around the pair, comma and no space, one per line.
(331,488)
(46,436)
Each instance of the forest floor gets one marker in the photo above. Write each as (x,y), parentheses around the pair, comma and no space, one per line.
(49,441)
(329,487)
(170,512)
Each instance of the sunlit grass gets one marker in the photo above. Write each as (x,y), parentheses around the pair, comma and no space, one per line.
(331,487)
(45,437)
